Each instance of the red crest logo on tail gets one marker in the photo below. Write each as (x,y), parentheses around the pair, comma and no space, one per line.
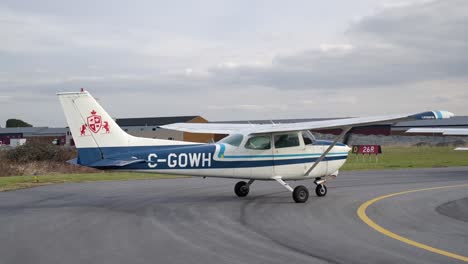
(94,122)
(106,127)
(83,130)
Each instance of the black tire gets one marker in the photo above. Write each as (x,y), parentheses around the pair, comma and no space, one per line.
(300,194)
(241,189)
(321,190)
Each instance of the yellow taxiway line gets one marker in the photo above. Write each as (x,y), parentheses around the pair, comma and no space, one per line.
(362,214)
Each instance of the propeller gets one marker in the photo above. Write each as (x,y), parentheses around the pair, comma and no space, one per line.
(347,136)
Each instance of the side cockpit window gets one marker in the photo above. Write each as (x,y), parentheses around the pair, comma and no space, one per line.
(258,142)
(308,138)
(233,140)
(287,140)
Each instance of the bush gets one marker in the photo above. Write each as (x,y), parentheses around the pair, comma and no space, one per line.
(36,158)
(459,143)
(421,144)
(36,151)
(456,143)
(17,123)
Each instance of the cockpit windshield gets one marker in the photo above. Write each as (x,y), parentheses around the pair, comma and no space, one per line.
(233,140)
(308,138)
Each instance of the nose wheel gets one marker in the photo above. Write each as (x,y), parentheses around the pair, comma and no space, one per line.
(301,193)
(321,190)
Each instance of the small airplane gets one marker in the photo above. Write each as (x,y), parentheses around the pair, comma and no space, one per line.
(440,130)
(443,131)
(279,152)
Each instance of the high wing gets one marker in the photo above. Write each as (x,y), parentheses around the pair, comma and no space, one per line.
(443,131)
(220,128)
(216,128)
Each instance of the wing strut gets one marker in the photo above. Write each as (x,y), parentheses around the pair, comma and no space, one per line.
(345,130)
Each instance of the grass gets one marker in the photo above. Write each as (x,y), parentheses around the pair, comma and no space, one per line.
(20,182)
(408,157)
(392,158)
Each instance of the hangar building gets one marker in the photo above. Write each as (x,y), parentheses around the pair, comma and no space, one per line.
(149,127)
(44,134)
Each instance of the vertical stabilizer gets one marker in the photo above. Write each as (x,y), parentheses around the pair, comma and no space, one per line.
(95,132)
(90,125)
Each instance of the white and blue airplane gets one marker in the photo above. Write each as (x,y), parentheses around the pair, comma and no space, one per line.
(279,152)
(441,130)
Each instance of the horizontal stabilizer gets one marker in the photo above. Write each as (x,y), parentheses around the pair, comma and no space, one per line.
(115,163)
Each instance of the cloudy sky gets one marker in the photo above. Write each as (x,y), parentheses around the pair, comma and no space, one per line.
(234,60)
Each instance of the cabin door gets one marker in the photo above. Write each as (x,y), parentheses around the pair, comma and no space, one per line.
(289,154)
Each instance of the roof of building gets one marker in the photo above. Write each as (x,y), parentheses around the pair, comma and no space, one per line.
(153,121)
(53,130)
(34,131)
(20,129)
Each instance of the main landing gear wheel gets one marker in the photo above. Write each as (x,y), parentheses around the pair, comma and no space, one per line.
(241,189)
(300,194)
(321,190)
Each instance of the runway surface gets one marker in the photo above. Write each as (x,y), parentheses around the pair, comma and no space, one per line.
(197,220)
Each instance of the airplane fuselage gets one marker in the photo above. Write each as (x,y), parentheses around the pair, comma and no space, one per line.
(224,160)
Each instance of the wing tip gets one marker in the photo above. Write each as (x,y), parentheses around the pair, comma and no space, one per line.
(441,114)
(437,114)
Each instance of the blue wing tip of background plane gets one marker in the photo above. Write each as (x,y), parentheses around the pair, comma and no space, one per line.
(434,115)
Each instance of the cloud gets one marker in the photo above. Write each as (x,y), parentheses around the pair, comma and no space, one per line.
(335,47)
(251,61)
(402,3)
(249,107)
(406,44)
(5,98)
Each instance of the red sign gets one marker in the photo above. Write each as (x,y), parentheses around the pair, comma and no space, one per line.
(367,149)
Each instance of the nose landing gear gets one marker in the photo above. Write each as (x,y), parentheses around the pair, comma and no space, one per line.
(321,190)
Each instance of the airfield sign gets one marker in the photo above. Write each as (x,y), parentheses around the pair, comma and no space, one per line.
(367,149)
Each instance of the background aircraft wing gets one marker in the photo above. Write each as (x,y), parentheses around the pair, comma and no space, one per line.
(437,130)
(325,124)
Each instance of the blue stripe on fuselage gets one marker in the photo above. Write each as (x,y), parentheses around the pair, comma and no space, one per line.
(196,156)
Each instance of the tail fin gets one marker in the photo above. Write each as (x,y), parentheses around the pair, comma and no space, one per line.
(90,125)
(94,130)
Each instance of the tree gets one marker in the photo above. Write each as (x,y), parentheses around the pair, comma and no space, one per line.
(17,123)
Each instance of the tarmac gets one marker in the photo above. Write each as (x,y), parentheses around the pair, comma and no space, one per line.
(195,220)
